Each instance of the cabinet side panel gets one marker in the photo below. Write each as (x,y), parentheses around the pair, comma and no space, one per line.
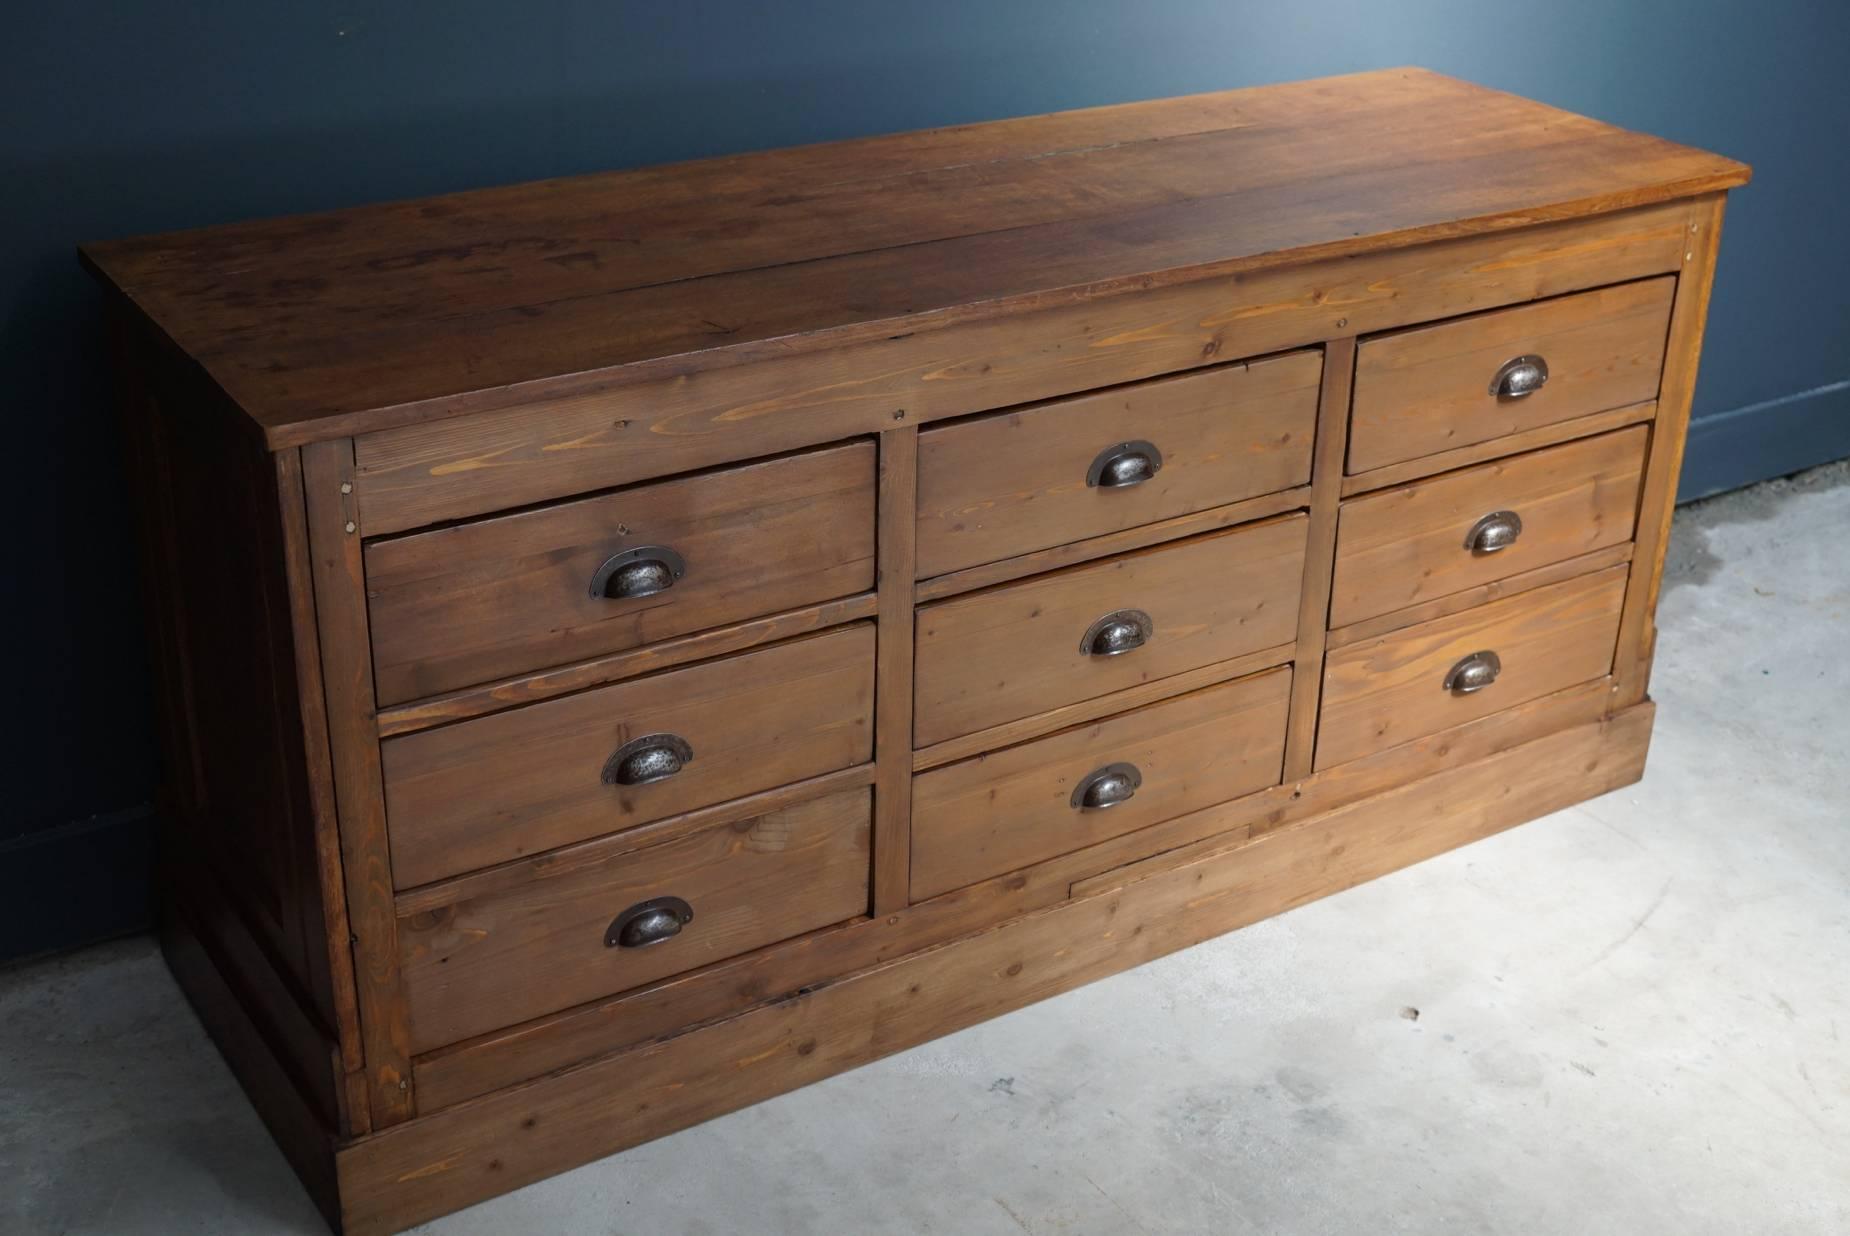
(1631,669)
(239,833)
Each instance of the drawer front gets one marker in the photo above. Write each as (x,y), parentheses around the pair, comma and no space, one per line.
(505,955)
(1382,692)
(1022,649)
(1010,484)
(999,812)
(1443,535)
(483,600)
(1421,391)
(500,787)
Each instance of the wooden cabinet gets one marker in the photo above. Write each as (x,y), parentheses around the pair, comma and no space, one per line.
(804,603)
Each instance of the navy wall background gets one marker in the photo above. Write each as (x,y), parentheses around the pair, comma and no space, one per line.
(126,116)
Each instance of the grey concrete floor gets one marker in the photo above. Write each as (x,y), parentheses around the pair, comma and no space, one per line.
(1630,1017)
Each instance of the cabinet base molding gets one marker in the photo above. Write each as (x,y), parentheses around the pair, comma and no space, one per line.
(435,1164)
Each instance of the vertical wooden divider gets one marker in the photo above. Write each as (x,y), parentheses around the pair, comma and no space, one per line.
(1631,667)
(1326,484)
(353,742)
(896,554)
(293,503)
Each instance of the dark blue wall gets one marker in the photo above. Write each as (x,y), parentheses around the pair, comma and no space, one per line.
(130,116)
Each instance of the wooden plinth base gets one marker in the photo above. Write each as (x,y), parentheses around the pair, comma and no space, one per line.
(486,1146)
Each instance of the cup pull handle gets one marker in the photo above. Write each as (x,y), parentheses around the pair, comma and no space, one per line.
(1473,673)
(648,922)
(640,572)
(1106,787)
(653,757)
(1519,376)
(1124,465)
(1119,632)
(1497,530)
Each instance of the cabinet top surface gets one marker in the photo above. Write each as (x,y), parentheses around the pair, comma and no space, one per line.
(329,324)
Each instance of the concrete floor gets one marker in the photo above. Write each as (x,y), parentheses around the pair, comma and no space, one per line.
(1631,1017)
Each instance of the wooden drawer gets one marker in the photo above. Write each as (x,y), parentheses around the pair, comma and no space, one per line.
(499,787)
(1403,546)
(1019,649)
(1011,808)
(998,486)
(517,945)
(1382,692)
(482,600)
(1432,388)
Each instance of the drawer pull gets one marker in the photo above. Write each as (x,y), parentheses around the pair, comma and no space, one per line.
(1497,530)
(1473,673)
(653,757)
(1119,632)
(640,572)
(1521,376)
(1124,465)
(648,922)
(1107,787)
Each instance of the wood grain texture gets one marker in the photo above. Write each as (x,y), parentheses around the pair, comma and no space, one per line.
(518,1053)
(1428,389)
(1000,486)
(899,481)
(525,449)
(1403,547)
(1249,510)
(515,783)
(1384,691)
(242,800)
(1598,756)
(476,1150)
(1014,651)
(1319,547)
(485,600)
(1481,594)
(248,849)
(621,666)
(1011,732)
(1511,444)
(305,1142)
(1669,434)
(328,926)
(1176,842)
(289,1031)
(503,877)
(1004,810)
(366,860)
(481,962)
(315,322)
